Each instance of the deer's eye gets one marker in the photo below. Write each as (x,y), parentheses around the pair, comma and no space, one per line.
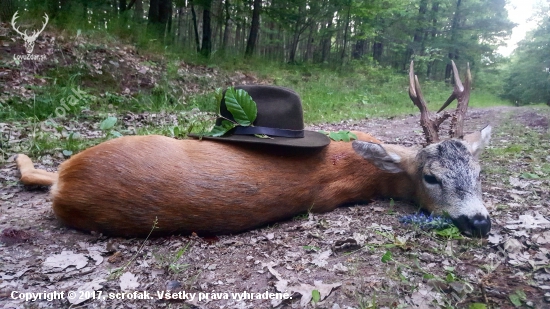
(431,179)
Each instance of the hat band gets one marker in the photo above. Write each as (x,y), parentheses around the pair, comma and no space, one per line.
(268,131)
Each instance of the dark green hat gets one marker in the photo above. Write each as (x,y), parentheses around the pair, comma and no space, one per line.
(280,117)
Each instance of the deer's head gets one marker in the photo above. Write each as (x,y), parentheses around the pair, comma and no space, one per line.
(445,174)
(29,39)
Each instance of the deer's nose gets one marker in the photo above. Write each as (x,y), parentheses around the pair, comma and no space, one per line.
(478,225)
(481,225)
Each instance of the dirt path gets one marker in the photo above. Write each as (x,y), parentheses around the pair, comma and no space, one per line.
(361,257)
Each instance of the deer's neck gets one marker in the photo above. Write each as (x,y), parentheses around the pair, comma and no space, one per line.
(348,178)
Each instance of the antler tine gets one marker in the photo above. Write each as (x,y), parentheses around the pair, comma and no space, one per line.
(458,88)
(13,19)
(429,126)
(462,93)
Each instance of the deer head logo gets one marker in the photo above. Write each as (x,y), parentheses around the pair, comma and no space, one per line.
(29,39)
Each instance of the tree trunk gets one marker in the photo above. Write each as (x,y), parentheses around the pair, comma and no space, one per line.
(227,27)
(359,49)
(255,27)
(433,33)
(7,9)
(377,50)
(309,47)
(138,11)
(327,38)
(416,47)
(206,48)
(153,17)
(165,14)
(453,50)
(195,28)
(343,55)
(294,46)
(121,5)
(160,12)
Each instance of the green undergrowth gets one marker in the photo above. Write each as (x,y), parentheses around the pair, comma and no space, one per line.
(327,95)
(74,93)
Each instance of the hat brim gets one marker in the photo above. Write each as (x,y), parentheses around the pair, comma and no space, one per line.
(310,140)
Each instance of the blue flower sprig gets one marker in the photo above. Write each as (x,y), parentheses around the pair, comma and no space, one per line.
(426,222)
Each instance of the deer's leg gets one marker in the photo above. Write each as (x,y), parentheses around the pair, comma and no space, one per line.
(32,176)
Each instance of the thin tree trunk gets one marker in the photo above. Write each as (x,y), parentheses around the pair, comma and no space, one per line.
(138,11)
(227,26)
(121,5)
(251,44)
(433,30)
(325,52)
(294,46)
(453,53)
(194,14)
(309,47)
(342,57)
(206,48)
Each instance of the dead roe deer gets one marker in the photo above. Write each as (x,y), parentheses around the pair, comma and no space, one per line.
(121,186)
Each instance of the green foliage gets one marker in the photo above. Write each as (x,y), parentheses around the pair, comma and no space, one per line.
(386,257)
(220,130)
(108,123)
(107,126)
(339,136)
(528,76)
(240,104)
(451,232)
(315,296)
(517,298)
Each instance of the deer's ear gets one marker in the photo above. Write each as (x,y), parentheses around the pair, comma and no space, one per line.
(478,140)
(379,156)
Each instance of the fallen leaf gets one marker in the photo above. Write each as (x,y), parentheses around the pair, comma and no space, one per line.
(494,239)
(321,259)
(339,268)
(528,222)
(541,239)
(512,245)
(64,260)
(86,291)
(128,281)
(516,182)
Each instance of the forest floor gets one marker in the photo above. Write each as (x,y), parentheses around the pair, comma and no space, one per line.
(355,257)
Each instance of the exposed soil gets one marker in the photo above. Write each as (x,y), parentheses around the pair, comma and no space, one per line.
(340,254)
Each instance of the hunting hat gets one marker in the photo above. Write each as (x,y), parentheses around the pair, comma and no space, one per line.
(279,116)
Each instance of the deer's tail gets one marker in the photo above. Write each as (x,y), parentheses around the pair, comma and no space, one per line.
(33,176)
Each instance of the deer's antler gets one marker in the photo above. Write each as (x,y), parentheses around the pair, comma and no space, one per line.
(430,125)
(462,94)
(13,19)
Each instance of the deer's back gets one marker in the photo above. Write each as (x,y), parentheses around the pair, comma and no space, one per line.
(121,186)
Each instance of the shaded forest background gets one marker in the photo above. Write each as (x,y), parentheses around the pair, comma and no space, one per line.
(330,33)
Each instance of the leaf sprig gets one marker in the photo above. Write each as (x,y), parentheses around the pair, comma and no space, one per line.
(243,108)
(341,135)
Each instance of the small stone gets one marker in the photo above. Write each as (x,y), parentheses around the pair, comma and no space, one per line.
(172,285)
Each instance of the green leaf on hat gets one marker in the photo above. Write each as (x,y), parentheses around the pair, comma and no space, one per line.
(220,130)
(345,136)
(240,104)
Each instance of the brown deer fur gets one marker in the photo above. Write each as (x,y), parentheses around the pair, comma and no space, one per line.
(119,187)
